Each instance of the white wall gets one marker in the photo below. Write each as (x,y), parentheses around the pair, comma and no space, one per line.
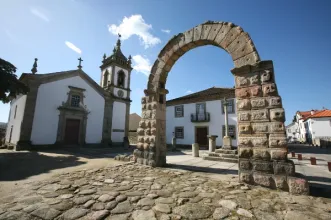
(119,110)
(17,121)
(320,127)
(215,125)
(290,129)
(50,97)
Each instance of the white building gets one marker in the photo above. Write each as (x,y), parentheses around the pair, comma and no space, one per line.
(69,108)
(311,125)
(292,132)
(192,117)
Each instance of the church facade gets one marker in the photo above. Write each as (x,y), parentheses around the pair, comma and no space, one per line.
(70,108)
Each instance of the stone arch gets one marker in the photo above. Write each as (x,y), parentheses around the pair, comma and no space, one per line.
(262,141)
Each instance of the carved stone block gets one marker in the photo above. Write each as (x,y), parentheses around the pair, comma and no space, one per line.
(255,79)
(153,124)
(298,186)
(244,116)
(153,114)
(242,93)
(278,154)
(149,106)
(255,91)
(246,177)
(274,102)
(287,168)
(261,154)
(146,145)
(277,141)
(266,76)
(146,114)
(152,139)
(144,107)
(244,128)
(276,127)
(263,166)
(143,100)
(147,131)
(140,131)
(263,179)
(142,124)
(153,131)
(244,164)
(257,103)
(260,141)
(277,114)
(280,182)
(242,81)
(140,146)
(260,115)
(244,104)
(141,139)
(269,89)
(146,140)
(245,142)
(260,127)
(245,152)
(152,163)
(154,105)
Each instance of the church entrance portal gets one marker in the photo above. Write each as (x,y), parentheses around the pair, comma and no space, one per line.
(262,145)
(72,131)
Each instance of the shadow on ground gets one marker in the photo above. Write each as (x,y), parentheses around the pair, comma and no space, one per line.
(21,165)
(301,148)
(202,169)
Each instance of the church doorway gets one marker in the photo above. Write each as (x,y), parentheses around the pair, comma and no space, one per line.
(71,135)
(201,134)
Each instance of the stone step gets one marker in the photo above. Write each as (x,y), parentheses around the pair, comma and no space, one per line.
(223,151)
(222,159)
(222,155)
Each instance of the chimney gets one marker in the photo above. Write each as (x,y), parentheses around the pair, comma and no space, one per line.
(312,112)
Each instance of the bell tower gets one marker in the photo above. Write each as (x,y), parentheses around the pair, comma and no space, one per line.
(115,80)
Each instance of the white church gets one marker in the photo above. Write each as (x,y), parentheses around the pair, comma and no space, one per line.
(70,108)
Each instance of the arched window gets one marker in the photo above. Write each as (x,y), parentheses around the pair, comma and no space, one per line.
(105,78)
(120,78)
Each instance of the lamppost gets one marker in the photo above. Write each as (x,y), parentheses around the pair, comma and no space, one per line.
(226,138)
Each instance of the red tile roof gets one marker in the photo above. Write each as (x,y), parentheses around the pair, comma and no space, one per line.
(319,114)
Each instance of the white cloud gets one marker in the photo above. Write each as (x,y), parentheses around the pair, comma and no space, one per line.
(39,13)
(73,47)
(166,31)
(135,25)
(141,64)
(189,92)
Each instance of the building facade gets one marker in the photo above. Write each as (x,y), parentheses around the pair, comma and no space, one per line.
(70,108)
(193,117)
(292,132)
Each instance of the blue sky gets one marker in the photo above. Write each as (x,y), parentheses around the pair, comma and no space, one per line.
(294,34)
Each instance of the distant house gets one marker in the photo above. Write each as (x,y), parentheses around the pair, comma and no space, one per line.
(292,132)
(134,120)
(313,125)
(192,117)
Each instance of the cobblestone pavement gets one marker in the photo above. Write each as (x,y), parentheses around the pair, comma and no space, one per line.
(130,191)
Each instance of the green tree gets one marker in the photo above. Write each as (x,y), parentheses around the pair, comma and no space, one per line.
(10,86)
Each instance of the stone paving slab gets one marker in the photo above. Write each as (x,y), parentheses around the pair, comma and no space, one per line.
(135,192)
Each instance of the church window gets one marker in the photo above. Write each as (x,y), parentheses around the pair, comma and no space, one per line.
(120,79)
(75,100)
(105,78)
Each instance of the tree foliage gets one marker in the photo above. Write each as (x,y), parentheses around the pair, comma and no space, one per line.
(10,86)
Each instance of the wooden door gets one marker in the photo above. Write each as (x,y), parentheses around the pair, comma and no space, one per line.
(72,131)
(201,136)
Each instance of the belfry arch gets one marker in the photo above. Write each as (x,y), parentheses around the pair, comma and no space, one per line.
(262,144)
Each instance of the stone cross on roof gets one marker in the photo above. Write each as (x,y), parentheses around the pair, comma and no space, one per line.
(80,63)
(34,67)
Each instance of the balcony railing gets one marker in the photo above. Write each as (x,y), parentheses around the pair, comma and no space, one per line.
(204,117)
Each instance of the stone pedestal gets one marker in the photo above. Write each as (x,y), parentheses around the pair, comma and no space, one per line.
(212,142)
(227,142)
(173,143)
(195,150)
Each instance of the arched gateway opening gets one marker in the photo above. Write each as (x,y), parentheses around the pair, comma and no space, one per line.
(262,144)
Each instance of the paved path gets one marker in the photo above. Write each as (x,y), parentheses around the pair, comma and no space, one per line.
(136,192)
